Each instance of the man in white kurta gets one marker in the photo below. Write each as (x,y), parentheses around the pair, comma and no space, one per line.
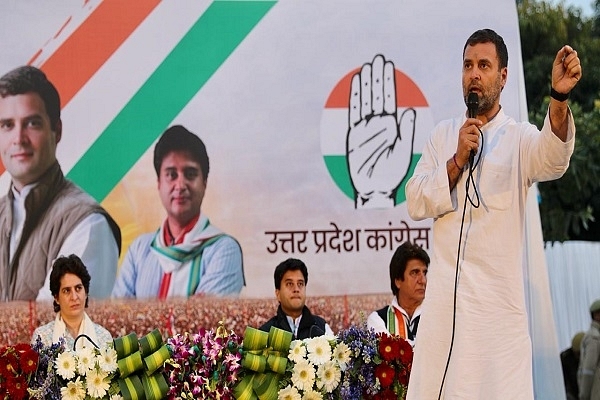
(483,341)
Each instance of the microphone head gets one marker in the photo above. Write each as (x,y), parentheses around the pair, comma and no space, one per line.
(319,331)
(472,104)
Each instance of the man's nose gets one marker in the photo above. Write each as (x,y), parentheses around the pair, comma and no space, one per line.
(19,134)
(180,182)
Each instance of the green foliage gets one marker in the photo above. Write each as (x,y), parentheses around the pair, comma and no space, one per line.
(570,206)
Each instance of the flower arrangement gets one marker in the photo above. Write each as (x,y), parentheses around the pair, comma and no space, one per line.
(214,364)
(315,369)
(45,384)
(396,362)
(359,380)
(87,373)
(203,365)
(17,365)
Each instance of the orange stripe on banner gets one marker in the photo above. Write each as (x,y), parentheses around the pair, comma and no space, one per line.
(408,93)
(62,28)
(92,44)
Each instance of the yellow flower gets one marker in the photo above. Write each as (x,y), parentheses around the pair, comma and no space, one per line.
(289,393)
(297,351)
(107,360)
(342,354)
(303,375)
(97,383)
(85,360)
(65,365)
(329,376)
(312,395)
(319,350)
(73,391)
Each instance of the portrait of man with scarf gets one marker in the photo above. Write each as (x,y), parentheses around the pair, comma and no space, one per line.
(187,255)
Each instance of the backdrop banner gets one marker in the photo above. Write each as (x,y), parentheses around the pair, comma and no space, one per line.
(268,86)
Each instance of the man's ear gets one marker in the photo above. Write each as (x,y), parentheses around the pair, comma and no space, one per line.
(397,282)
(58,130)
(277,295)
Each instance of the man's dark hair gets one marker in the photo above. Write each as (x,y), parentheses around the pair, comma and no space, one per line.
(489,36)
(68,265)
(28,79)
(179,139)
(404,253)
(291,264)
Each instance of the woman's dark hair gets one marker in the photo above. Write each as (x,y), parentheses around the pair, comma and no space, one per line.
(68,265)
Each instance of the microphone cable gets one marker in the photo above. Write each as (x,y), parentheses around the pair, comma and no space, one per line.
(470,179)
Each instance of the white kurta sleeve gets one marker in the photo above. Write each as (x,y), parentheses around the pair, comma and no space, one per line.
(428,192)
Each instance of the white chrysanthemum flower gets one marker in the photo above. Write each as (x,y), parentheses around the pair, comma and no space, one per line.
(329,376)
(116,397)
(73,391)
(312,395)
(303,375)
(342,354)
(289,393)
(297,351)
(330,338)
(107,360)
(86,360)
(66,365)
(319,350)
(97,383)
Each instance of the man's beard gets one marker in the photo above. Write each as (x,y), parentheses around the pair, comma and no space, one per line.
(488,97)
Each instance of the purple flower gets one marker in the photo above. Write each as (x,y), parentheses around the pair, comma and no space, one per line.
(204,364)
(45,383)
(359,377)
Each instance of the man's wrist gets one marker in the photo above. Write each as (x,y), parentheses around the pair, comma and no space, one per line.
(558,96)
(456,163)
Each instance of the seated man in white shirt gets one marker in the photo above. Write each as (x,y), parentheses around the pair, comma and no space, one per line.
(408,280)
(45,215)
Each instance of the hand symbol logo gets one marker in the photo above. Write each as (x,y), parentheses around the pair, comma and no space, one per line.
(378,145)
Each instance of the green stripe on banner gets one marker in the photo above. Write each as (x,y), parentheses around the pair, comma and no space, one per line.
(216,34)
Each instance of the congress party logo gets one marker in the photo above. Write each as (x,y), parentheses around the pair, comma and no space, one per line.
(368,130)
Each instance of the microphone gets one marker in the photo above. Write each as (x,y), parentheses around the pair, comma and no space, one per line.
(317,329)
(472,106)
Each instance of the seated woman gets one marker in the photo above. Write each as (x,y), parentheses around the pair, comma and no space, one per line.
(69,285)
